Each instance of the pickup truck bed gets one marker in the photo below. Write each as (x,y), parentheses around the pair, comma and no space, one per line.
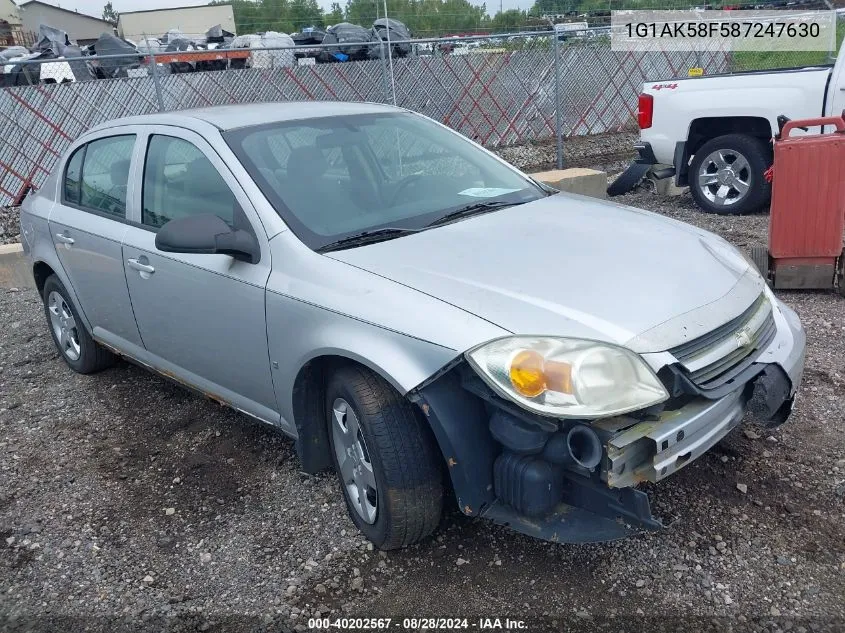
(740,73)
(685,108)
(714,132)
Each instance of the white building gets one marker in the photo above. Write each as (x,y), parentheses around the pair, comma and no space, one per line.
(192,21)
(9,12)
(81,28)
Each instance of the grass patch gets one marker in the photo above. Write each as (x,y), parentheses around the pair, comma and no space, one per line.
(764,60)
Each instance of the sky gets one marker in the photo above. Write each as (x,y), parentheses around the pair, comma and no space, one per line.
(95,7)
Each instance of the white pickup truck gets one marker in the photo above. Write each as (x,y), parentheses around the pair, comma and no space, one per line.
(714,133)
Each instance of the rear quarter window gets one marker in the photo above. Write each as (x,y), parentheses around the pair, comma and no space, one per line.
(73,177)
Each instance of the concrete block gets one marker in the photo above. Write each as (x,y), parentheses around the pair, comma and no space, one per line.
(14,268)
(667,187)
(587,182)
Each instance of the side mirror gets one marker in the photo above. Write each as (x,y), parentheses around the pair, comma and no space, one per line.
(207,234)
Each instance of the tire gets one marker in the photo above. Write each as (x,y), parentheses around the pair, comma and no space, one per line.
(404,461)
(755,156)
(82,353)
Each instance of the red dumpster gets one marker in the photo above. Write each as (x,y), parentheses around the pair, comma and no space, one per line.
(808,208)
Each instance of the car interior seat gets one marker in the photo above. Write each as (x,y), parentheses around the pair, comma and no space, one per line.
(119,176)
(207,192)
(311,194)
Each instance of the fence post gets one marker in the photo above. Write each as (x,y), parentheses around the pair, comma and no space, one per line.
(385,84)
(558,113)
(156,81)
(154,72)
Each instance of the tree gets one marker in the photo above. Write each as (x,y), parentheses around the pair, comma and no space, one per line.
(508,21)
(334,16)
(423,17)
(109,14)
(303,13)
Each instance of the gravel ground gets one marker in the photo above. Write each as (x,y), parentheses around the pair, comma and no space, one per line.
(10,230)
(608,152)
(127,503)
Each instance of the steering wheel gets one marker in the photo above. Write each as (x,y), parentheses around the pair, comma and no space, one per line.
(402,185)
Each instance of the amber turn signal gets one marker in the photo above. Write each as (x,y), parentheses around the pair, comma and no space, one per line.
(526,373)
(531,374)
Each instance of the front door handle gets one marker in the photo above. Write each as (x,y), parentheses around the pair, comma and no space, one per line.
(140,266)
(64,239)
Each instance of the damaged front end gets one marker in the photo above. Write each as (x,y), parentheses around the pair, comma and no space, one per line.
(574,481)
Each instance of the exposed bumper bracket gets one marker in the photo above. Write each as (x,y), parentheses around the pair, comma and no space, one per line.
(651,451)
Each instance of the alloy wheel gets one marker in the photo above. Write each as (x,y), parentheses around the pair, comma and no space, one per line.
(353,459)
(724,177)
(64,326)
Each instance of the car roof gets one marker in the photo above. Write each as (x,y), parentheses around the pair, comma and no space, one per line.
(230,117)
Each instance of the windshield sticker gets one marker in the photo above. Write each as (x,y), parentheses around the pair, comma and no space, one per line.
(485,192)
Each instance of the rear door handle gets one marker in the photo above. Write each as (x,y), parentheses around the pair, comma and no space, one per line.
(64,239)
(141,268)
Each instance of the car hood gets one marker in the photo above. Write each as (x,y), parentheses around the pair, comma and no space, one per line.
(569,265)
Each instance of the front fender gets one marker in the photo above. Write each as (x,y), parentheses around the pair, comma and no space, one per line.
(299,332)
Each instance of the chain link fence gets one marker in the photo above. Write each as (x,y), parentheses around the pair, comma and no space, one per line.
(498,90)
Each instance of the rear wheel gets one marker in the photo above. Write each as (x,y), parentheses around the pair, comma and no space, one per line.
(385,457)
(726,174)
(81,352)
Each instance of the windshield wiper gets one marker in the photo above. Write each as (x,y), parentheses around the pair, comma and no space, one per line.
(473,209)
(366,237)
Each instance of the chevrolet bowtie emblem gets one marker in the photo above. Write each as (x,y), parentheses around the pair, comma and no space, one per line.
(743,338)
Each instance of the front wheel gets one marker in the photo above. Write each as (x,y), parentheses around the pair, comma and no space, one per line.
(386,459)
(726,175)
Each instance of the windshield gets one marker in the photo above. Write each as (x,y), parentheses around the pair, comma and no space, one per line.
(336,177)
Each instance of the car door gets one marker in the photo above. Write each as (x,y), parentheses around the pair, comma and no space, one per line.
(201,317)
(87,226)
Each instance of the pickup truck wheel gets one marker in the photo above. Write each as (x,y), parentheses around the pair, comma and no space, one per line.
(726,174)
(386,459)
(81,352)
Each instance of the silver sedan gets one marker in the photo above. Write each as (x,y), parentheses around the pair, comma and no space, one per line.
(415,312)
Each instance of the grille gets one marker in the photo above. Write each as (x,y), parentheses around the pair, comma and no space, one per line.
(719,356)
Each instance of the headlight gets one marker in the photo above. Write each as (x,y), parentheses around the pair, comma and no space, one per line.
(567,378)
